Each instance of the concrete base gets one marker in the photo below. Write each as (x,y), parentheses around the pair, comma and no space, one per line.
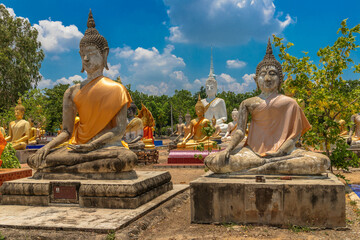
(63,217)
(316,201)
(188,156)
(23,155)
(87,193)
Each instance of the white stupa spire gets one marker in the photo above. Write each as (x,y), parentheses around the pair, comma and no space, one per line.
(211,74)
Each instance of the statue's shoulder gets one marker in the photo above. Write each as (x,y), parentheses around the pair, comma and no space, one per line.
(71,91)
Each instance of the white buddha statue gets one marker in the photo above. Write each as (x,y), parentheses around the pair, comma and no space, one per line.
(217,106)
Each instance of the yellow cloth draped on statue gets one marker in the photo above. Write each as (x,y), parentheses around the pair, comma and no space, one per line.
(98,103)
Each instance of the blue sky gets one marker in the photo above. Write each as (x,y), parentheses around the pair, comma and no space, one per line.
(161,45)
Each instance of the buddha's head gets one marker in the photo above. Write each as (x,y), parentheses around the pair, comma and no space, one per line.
(235,115)
(200,109)
(19,110)
(269,75)
(342,122)
(211,87)
(213,121)
(187,117)
(131,112)
(94,49)
(180,119)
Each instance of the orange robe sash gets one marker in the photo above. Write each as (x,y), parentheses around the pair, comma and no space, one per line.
(98,103)
(148,133)
(273,122)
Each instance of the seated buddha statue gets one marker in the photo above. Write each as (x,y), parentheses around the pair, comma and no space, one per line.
(19,130)
(277,122)
(232,126)
(343,129)
(217,106)
(196,136)
(34,133)
(187,127)
(134,130)
(216,134)
(96,150)
(149,124)
(179,129)
(354,134)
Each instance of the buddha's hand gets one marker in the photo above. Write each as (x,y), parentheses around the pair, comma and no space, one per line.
(83,148)
(40,155)
(278,153)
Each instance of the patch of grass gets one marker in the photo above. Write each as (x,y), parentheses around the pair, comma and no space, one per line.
(228,225)
(353,203)
(2,237)
(348,221)
(110,236)
(297,229)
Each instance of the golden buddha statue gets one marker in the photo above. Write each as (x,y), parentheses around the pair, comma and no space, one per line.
(354,134)
(19,130)
(343,130)
(149,124)
(277,123)
(34,133)
(134,130)
(216,134)
(196,136)
(96,149)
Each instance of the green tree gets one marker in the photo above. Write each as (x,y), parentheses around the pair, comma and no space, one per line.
(54,98)
(327,96)
(20,58)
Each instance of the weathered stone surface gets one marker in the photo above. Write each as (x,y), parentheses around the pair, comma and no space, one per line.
(61,217)
(317,201)
(83,176)
(124,202)
(88,193)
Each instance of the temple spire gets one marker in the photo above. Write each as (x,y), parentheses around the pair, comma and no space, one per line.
(211,74)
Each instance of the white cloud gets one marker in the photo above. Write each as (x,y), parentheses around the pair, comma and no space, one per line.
(235,63)
(152,71)
(223,22)
(113,71)
(228,83)
(69,80)
(45,83)
(57,38)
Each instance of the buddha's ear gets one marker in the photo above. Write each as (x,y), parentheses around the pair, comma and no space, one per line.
(105,55)
(257,85)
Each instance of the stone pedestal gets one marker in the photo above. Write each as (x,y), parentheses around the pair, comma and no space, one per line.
(8,174)
(316,201)
(127,194)
(23,155)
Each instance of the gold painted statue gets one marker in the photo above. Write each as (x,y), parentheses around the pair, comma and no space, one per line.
(216,134)
(19,130)
(196,136)
(354,134)
(134,130)
(149,124)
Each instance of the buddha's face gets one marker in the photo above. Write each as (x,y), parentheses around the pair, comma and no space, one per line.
(92,59)
(211,89)
(19,114)
(268,79)
(180,120)
(130,112)
(199,111)
(235,116)
(188,118)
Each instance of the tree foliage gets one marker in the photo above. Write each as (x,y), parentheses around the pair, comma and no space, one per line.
(20,58)
(327,96)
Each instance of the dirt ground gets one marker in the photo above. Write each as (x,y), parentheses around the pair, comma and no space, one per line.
(172,220)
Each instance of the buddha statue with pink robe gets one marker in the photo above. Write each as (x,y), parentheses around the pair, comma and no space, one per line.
(277,123)
(95,150)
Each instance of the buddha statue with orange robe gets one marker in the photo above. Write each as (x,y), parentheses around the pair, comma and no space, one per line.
(277,123)
(19,130)
(96,149)
(216,134)
(149,124)
(196,136)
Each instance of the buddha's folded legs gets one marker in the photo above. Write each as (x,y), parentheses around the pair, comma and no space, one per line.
(246,161)
(110,159)
(19,146)
(300,162)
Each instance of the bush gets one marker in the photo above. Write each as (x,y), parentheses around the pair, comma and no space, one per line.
(9,158)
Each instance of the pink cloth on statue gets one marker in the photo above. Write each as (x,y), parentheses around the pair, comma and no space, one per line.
(274,121)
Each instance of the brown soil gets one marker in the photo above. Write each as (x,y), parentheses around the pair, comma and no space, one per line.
(172,220)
